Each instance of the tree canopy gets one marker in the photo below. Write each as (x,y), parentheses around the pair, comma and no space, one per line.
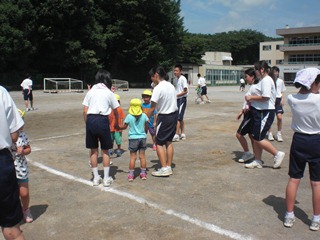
(127,37)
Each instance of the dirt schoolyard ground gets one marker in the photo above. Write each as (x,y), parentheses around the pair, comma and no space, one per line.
(209,196)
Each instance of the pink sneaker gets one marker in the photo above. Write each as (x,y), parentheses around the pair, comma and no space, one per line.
(130,178)
(154,148)
(143,176)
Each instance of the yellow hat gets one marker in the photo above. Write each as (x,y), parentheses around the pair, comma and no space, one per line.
(135,107)
(147,93)
(21,112)
(117,97)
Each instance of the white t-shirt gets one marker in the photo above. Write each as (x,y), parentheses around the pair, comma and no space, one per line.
(280,87)
(10,119)
(305,110)
(180,84)
(265,88)
(242,81)
(164,95)
(100,100)
(26,84)
(254,90)
(202,82)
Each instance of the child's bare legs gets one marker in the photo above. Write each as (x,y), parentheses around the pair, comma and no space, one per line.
(162,155)
(24,194)
(279,122)
(143,162)
(263,145)
(291,193)
(243,142)
(13,232)
(133,157)
(169,153)
(315,186)
(94,157)
(105,158)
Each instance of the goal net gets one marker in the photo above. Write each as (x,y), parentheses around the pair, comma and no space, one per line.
(120,84)
(55,85)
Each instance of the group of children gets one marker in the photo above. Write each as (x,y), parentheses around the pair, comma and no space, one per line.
(100,102)
(139,124)
(305,124)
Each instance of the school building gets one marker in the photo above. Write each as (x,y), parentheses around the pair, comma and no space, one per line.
(299,49)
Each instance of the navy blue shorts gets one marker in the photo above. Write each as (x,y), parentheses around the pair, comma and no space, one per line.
(137,144)
(10,206)
(203,90)
(98,130)
(262,121)
(246,124)
(182,104)
(166,127)
(279,108)
(27,96)
(305,149)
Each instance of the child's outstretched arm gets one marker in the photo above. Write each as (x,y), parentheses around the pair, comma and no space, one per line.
(123,127)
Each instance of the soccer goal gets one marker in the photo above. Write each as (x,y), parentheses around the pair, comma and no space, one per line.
(120,84)
(55,85)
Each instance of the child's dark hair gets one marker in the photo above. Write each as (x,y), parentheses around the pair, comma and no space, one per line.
(262,65)
(103,76)
(160,70)
(178,66)
(251,72)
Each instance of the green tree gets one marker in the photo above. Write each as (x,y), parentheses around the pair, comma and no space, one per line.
(16,20)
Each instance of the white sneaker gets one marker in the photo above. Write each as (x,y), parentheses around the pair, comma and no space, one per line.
(96,181)
(288,222)
(254,164)
(183,137)
(315,226)
(270,136)
(278,137)
(162,172)
(107,182)
(176,138)
(245,157)
(278,159)
(170,170)
(208,101)
(202,102)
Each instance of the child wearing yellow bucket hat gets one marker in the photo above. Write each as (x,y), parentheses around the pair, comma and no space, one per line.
(146,105)
(138,125)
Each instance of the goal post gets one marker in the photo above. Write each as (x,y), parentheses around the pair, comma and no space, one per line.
(55,85)
(120,84)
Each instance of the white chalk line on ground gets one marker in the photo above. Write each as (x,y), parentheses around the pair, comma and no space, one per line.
(209,226)
(55,137)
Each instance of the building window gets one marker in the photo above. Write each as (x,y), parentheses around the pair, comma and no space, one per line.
(307,40)
(279,61)
(278,47)
(304,58)
(266,47)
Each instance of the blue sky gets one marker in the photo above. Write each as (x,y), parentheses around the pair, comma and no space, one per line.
(265,16)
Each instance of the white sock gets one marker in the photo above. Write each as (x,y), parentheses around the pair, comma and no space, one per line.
(95,173)
(316,218)
(279,132)
(106,172)
(290,214)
